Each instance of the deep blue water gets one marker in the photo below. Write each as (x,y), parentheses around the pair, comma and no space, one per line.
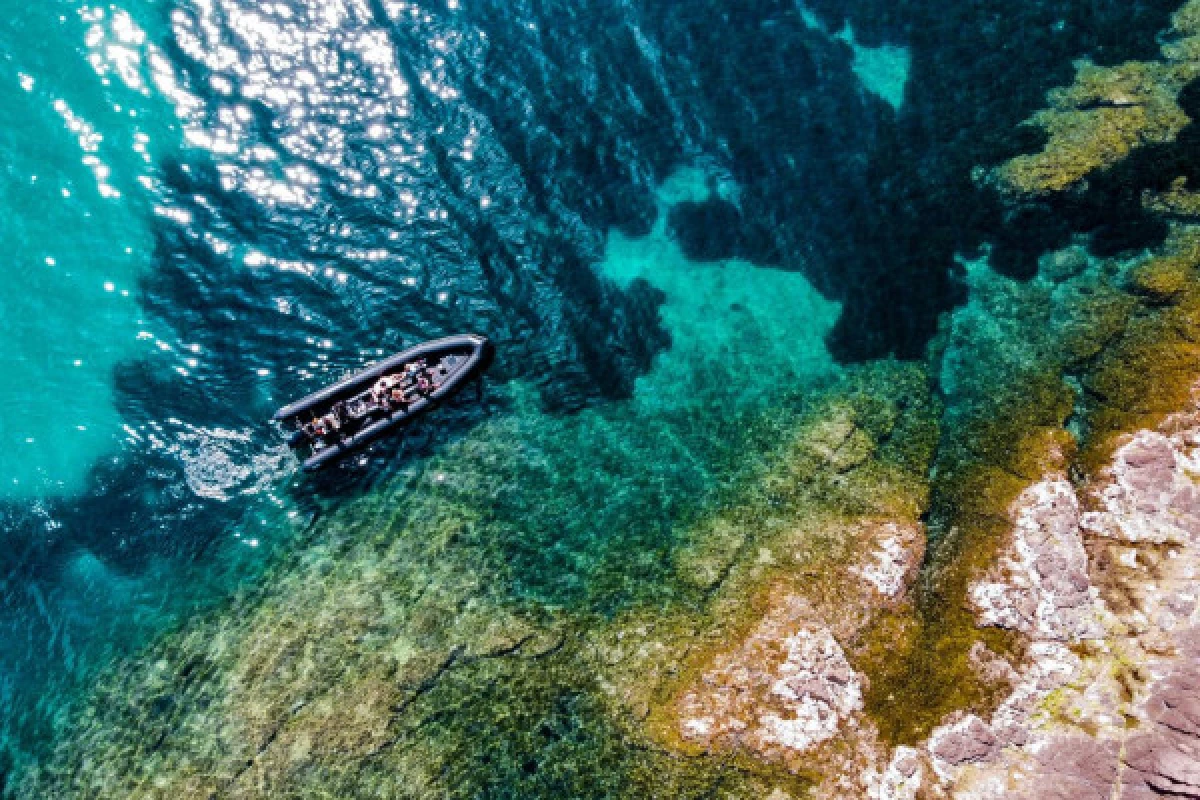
(217,205)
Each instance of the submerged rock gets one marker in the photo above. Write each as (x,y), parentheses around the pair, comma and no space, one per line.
(1106,114)
(407,649)
(786,688)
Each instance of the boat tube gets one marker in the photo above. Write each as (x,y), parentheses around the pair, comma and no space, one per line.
(348,416)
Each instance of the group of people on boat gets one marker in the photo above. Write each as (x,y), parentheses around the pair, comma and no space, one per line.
(392,392)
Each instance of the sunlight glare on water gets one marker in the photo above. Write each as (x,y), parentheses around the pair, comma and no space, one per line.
(78,132)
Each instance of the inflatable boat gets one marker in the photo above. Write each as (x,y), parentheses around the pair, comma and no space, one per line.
(348,416)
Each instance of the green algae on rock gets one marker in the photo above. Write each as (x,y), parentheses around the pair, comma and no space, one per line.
(1107,114)
(1175,201)
(395,654)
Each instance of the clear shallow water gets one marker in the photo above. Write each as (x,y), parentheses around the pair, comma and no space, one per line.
(77,241)
(667,216)
(725,318)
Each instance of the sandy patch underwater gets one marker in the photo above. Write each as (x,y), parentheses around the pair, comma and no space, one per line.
(737,329)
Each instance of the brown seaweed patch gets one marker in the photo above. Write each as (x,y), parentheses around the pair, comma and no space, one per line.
(921,676)
(1149,371)
(1175,201)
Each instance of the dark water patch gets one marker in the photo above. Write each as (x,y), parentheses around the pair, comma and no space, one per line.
(709,231)
(579,98)
(646,88)
(1189,101)
(480,250)
(978,69)
(779,103)
(1029,231)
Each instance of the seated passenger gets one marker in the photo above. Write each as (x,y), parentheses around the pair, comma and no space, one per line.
(379,392)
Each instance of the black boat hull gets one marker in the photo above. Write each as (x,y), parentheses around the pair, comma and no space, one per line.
(479,354)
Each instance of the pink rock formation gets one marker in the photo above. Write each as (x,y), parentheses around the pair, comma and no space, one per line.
(786,688)
(1104,702)
(1120,716)
(1041,585)
(1152,496)
(893,564)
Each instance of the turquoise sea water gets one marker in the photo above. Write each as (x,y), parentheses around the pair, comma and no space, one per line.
(76,237)
(87,125)
(675,223)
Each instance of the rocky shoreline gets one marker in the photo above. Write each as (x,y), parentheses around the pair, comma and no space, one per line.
(1103,701)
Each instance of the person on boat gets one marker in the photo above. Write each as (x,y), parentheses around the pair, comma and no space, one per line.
(414,369)
(357,408)
(343,418)
(379,392)
(328,427)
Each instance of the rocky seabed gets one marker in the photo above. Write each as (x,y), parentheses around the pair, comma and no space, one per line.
(1100,580)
